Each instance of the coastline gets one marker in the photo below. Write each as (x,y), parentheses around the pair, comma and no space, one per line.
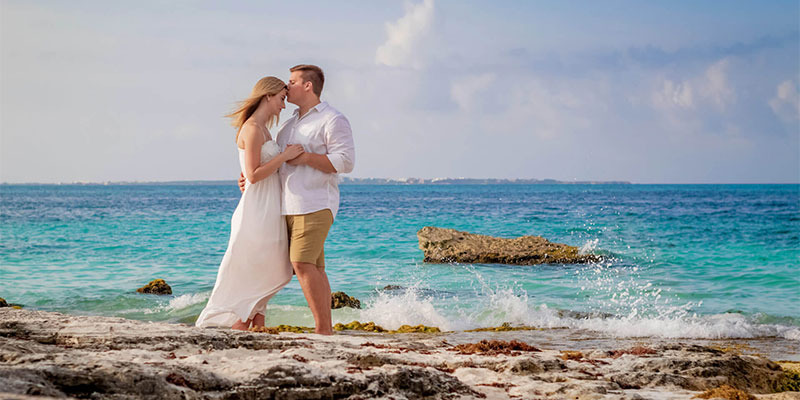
(53,354)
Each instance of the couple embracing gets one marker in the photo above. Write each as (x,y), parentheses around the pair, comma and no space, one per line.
(290,196)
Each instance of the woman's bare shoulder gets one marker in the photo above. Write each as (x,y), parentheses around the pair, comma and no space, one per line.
(250,133)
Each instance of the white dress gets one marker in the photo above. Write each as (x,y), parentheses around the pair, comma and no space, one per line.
(256,264)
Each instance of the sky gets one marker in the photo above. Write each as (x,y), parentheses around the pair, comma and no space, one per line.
(645,92)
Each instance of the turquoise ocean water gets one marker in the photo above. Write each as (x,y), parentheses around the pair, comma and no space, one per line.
(683,261)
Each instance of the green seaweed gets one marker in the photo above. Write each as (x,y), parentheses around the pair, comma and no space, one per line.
(416,329)
(274,330)
(790,382)
(372,327)
(358,326)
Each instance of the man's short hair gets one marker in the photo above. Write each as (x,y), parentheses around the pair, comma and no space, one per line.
(313,74)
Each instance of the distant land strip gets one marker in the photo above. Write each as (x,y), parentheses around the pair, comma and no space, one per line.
(471,181)
(361,181)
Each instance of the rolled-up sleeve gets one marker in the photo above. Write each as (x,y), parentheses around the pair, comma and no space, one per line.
(339,142)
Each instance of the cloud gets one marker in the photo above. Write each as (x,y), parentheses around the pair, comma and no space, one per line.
(464,91)
(701,91)
(716,86)
(672,95)
(405,37)
(786,103)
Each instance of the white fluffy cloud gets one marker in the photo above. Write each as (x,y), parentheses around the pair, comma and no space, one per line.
(786,103)
(406,35)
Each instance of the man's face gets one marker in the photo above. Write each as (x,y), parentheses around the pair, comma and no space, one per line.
(296,92)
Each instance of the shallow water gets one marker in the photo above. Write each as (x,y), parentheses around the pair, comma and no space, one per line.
(683,261)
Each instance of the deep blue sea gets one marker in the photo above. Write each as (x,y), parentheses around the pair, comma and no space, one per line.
(683,261)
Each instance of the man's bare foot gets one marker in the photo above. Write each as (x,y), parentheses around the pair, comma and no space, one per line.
(258,320)
(241,326)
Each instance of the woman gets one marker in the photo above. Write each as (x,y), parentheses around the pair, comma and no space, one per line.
(256,264)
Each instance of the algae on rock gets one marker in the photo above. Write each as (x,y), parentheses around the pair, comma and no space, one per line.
(156,286)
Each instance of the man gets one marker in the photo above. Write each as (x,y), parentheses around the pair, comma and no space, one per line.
(310,184)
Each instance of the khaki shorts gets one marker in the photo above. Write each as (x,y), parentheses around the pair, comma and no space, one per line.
(307,233)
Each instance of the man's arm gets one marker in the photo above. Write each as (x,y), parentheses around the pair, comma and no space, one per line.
(340,157)
(316,161)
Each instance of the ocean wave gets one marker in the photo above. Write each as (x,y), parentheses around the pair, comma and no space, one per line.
(410,307)
(179,303)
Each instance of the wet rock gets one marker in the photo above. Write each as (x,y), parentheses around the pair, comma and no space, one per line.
(341,299)
(156,286)
(441,245)
(3,302)
(504,327)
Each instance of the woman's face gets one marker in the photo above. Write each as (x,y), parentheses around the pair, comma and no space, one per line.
(278,102)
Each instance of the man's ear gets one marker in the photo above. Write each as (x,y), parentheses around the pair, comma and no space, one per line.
(307,85)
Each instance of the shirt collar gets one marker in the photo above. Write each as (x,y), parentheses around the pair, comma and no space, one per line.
(319,107)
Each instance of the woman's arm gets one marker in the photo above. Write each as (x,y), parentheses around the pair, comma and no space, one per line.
(253,170)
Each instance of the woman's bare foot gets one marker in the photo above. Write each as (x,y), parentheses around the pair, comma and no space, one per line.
(241,326)
(258,320)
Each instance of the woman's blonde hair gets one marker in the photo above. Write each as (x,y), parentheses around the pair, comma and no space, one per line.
(269,86)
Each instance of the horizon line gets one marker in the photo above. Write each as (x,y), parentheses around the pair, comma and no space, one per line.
(403,181)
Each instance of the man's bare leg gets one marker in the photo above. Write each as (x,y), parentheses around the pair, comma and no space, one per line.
(317,290)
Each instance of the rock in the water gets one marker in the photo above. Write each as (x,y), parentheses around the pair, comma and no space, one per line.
(3,303)
(442,245)
(341,299)
(156,286)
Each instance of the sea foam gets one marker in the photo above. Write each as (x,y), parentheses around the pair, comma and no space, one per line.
(408,307)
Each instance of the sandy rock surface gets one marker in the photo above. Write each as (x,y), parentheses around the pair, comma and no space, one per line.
(441,245)
(56,355)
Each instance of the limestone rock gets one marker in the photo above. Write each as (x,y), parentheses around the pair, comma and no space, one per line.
(441,245)
(341,299)
(156,286)
(56,355)
(3,302)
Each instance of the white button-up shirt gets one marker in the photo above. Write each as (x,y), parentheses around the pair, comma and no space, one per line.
(322,130)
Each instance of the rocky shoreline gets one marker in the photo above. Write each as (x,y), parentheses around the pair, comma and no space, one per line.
(56,355)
